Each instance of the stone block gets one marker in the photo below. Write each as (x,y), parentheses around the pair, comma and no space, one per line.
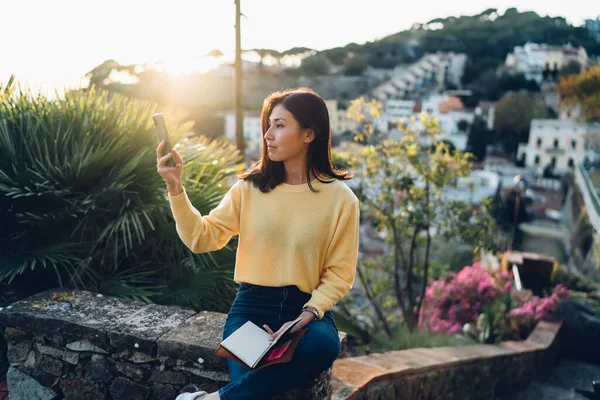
(49,365)
(160,391)
(76,389)
(171,377)
(85,345)
(134,371)
(80,313)
(14,335)
(196,339)
(97,369)
(24,387)
(316,389)
(140,330)
(65,355)
(125,389)
(18,352)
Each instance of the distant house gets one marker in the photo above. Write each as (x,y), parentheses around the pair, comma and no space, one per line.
(338,119)
(449,111)
(558,143)
(432,71)
(485,110)
(593,27)
(474,188)
(252,131)
(534,59)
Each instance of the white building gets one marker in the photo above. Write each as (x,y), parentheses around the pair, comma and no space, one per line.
(252,131)
(338,119)
(532,59)
(474,188)
(558,143)
(593,26)
(435,70)
(393,112)
(448,110)
(486,110)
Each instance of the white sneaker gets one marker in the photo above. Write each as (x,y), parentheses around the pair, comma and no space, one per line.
(190,396)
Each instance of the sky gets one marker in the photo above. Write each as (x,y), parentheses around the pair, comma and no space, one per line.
(52,44)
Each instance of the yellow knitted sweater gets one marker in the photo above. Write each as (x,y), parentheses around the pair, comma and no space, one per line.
(289,236)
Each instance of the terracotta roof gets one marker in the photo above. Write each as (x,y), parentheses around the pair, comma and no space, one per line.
(452,103)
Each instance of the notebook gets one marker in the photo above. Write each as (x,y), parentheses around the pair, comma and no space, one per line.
(250,345)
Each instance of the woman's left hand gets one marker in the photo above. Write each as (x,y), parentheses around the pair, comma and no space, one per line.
(307,318)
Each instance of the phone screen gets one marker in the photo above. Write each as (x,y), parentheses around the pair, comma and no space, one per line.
(163,134)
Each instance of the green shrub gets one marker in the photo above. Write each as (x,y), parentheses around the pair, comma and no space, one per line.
(81,204)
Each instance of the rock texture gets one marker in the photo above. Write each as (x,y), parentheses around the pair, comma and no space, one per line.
(82,345)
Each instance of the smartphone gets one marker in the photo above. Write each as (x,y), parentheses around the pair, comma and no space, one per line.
(163,134)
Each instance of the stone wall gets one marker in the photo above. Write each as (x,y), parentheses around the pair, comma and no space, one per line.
(462,372)
(82,345)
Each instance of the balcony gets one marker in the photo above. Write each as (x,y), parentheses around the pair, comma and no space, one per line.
(554,150)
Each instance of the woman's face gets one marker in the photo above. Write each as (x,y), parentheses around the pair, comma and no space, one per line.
(285,138)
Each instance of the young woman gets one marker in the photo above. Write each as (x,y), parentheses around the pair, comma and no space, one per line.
(298,241)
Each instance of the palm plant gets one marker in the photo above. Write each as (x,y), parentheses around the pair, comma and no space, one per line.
(81,204)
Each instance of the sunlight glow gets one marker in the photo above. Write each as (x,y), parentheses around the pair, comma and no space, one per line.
(186,65)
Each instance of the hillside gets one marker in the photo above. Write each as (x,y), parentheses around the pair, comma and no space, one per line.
(486,38)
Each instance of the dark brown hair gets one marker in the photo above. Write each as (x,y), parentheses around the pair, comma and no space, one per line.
(310,111)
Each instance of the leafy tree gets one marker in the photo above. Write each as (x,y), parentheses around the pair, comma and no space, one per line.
(479,138)
(583,89)
(315,65)
(462,125)
(81,204)
(493,84)
(262,53)
(100,75)
(356,65)
(341,161)
(513,115)
(402,186)
(296,51)
(571,68)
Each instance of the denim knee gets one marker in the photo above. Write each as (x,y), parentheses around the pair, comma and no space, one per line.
(323,345)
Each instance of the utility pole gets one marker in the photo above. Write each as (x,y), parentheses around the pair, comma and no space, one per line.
(239,103)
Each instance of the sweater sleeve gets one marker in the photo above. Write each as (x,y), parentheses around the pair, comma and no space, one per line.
(340,263)
(202,234)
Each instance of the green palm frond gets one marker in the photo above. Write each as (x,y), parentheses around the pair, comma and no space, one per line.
(8,87)
(79,193)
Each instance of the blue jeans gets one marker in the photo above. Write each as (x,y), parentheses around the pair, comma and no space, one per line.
(316,351)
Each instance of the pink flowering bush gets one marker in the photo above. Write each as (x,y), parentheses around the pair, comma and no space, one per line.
(474,295)
(460,298)
(533,309)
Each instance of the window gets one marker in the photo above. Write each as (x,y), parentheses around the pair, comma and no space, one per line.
(537,160)
(539,143)
(553,162)
(573,144)
(571,164)
(556,143)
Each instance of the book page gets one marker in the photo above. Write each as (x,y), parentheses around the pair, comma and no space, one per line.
(249,343)
(286,330)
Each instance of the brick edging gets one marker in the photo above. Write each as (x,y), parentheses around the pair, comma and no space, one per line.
(401,373)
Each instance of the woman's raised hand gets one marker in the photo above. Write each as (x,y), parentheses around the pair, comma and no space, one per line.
(171,175)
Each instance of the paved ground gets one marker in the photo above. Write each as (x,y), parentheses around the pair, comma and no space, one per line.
(563,382)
